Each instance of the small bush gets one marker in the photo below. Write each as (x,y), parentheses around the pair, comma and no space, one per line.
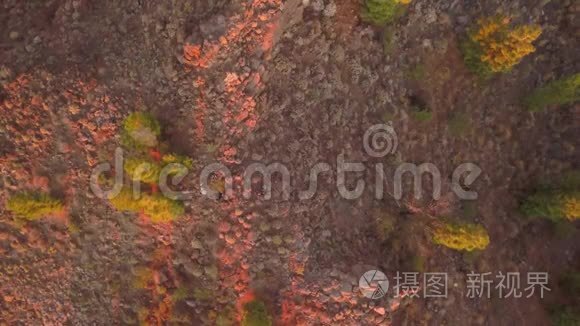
(563,91)
(140,130)
(33,206)
(382,12)
(467,237)
(156,207)
(148,171)
(226,317)
(144,170)
(256,314)
(553,204)
(419,109)
(495,47)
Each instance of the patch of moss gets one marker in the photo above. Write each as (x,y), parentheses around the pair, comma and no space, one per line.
(180,294)
(469,210)
(421,115)
(388,40)
(459,124)
(256,314)
(225,318)
(201,294)
(417,72)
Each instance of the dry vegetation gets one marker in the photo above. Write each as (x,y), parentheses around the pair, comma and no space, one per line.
(257,81)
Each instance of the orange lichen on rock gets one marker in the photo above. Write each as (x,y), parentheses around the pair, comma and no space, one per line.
(268,41)
(245,28)
(26,118)
(241,115)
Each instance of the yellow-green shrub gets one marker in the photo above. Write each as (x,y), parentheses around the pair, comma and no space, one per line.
(494,46)
(140,130)
(467,237)
(148,171)
(174,158)
(144,170)
(553,204)
(157,207)
(33,206)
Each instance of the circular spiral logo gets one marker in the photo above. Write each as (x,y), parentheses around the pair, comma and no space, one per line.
(381,140)
(373,284)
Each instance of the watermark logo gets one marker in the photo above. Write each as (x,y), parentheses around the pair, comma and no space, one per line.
(373,284)
(379,141)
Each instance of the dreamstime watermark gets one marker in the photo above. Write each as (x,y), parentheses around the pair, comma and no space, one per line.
(378,142)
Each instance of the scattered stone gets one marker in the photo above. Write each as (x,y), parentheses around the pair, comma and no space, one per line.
(196,244)
(264,227)
(14,35)
(330,9)
(277,240)
(211,272)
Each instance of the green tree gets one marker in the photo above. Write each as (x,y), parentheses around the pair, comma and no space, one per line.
(558,92)
(382,12)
